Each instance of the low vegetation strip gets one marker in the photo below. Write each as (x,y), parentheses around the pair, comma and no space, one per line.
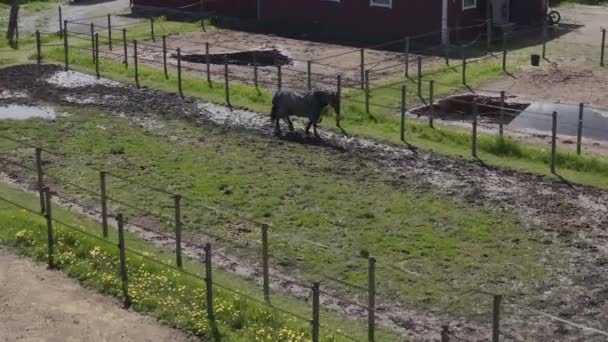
(381,122)
(154,288)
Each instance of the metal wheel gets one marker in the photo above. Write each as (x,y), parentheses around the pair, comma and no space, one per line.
(554,17)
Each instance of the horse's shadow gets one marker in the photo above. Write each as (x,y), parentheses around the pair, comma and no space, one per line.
(311,140)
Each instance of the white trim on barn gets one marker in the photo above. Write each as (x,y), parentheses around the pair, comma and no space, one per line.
(469,4)
(381,3)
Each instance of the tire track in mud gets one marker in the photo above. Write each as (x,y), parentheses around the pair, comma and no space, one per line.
(576,215)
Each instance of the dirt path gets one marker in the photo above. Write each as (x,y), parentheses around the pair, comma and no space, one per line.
(48,21)
(42,305)
(575,215)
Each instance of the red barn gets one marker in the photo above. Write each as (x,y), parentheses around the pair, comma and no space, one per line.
(369,18)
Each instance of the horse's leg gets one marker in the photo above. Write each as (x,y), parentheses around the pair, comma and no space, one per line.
(289,123)
(277,126)
(314,128)
(308,127)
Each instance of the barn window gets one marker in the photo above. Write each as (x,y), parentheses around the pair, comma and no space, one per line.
(469,4)
(381,3)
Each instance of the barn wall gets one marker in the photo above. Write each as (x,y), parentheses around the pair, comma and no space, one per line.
(406,17)
(356,19)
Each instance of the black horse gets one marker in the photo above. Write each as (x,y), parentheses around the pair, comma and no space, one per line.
(309,105)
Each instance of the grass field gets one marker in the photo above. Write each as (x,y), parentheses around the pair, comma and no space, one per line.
(327,212)
(157,290)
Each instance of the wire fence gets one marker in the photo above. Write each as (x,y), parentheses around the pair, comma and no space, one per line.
(110,206)
(360,83)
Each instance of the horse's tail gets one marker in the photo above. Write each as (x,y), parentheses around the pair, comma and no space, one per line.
(275,108)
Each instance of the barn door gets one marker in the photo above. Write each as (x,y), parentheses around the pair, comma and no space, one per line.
(501,11)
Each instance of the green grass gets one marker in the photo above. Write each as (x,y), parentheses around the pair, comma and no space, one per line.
(327,211)
(382,123)
(157,290)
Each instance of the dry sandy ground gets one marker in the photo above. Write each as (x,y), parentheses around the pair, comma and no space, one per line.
(41,305)
(573,74)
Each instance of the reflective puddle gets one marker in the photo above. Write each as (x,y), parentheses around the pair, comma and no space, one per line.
(538,116)
(19,112)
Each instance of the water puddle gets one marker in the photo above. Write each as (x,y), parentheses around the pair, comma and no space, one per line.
(19,112)
(260,57)
(538,116)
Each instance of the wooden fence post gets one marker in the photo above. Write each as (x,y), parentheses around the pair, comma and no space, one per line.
(603,49)
(110,31)
(124,47)
(17,35)
(403,110)
(544,33)
(152,29)
(135,64)
(504,52)
(226,81)
(40,180)
(579,133)
(179,72)
(60,22)
(265,271)
(407,57)
(464,71)
(104,203)
(65,44)
(445,333)
(496,319)
(315,312)
(123,261)
(97,55)
(93,42)
(38,52)
(367,91)
(49,227)
(446,50)
(165,57)
(431,101)
(339,96)
(419,76)
(208,64)
(362,68)
(371,299)
(474,137)
(209,282)
(501,115)
(554,142)
(279,77)
(489,34)
(255,69)
(178,230)
(309,74)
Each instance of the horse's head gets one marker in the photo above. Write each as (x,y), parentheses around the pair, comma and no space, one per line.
(326,98)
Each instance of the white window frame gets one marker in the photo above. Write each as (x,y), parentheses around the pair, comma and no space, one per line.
(374,3)
(465,7)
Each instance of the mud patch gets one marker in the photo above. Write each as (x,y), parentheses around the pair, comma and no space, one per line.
(461,108)
(72,79)
(255,57)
